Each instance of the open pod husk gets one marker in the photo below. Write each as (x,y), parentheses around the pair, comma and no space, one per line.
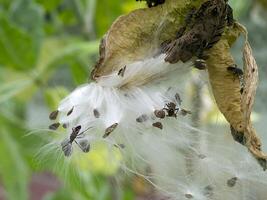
(139,34)
(236,107)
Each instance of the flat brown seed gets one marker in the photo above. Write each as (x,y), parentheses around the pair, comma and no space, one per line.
(142,118)
(178,98)
(54,126)
(110,129)
(120,146)
(71,110)
(159,114)
(202,156)
(158,125)
(96,113)
(208,191)
(185,112)
(53,115)
(231,182)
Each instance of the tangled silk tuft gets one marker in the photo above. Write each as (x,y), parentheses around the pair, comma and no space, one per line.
(136,103)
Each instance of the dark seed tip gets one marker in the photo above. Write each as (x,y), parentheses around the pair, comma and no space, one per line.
(54,126)
(231,182)
(158,125)
(53,115)
(110,129)
(188,196)
(96,113)
(71,110)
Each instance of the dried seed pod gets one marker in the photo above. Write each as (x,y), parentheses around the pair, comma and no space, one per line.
(231,182)
(110,129)
(142,118)
(96,113)
(158,125)
(54,126)
(206,26)
(118,49)
(53,115)
(70,111)
(160,114)
(225,90)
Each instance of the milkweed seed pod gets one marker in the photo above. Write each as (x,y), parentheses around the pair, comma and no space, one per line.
(225,88)
(135,102)
(236,107)
(139,35)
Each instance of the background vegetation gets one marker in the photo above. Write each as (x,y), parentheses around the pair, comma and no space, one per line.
(47,48)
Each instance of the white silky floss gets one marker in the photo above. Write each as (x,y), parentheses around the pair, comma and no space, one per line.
(179,167)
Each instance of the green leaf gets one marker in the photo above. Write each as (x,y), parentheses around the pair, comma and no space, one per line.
(29,17)
(106,12)
(49,5)
(54,95)
(13,170)
(13,88)
(16,46)
(57,52)
(5,4)
(240,7)
(79,72)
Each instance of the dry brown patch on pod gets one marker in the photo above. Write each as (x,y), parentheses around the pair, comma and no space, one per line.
(236,107)
(226,90)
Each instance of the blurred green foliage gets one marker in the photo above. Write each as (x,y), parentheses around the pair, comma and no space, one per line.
(46,50)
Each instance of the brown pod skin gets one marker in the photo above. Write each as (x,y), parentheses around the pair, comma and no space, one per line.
(226,90)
